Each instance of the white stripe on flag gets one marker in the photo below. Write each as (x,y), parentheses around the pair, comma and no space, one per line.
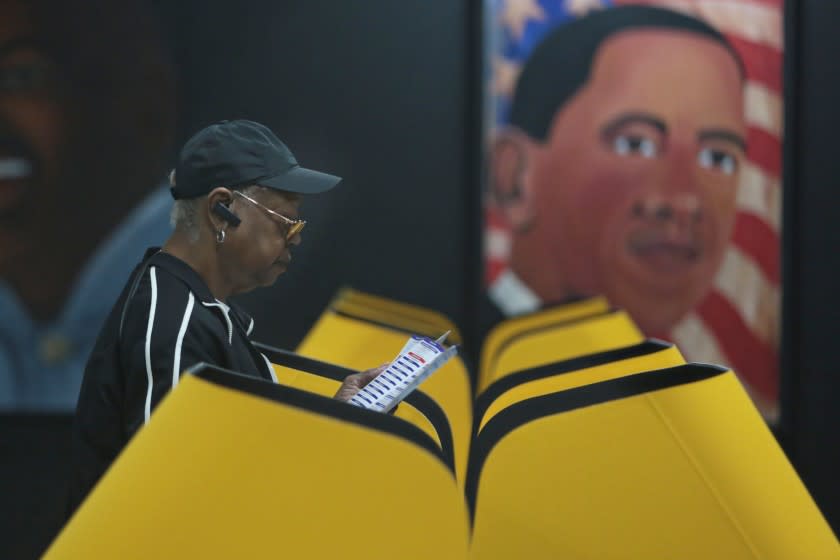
(742,282)
(750,21)
(505,74)
(763,108)
(497,244)
(760,194)
(699,344)
(696,342)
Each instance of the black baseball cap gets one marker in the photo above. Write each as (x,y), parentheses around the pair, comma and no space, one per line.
(240,153)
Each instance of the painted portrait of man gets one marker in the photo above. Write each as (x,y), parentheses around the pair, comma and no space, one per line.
(623,162)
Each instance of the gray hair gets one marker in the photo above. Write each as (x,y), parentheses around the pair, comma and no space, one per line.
(184,215)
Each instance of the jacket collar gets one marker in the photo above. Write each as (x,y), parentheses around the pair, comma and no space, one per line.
(182,271)
(175,266)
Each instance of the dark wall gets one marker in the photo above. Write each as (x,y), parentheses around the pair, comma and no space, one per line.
(34,450)
(371,90)
(811,306)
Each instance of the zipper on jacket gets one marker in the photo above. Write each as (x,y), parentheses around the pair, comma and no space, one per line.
(226,312)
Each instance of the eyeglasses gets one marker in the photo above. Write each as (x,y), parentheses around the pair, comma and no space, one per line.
(294,227)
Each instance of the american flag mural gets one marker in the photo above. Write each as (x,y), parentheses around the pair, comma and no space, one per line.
(737,323)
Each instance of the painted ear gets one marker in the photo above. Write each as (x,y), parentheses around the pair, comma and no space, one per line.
(511,191)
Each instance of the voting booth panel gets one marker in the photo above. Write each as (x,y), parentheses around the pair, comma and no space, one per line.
(664,464)
(233,467)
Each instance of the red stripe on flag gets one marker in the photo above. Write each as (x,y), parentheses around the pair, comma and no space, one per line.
(760,242)
(492,270)
(493,219)
(769,3)
(765,150)
(763,63)
(753,360)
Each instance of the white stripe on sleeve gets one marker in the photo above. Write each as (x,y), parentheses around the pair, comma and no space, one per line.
(176,366)
(150,382)
(270,368)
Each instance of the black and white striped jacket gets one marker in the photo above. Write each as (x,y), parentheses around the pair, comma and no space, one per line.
(170,323)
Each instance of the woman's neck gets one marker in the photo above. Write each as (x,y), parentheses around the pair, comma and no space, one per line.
(202,258)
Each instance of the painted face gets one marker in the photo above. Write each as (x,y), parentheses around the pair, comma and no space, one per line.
(31,132)
(634,189)
(257,251)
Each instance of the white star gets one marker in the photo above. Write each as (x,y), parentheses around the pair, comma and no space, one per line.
(516,14)
(581,7)
(505,74)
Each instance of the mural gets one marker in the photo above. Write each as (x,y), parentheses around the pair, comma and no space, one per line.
(634,151)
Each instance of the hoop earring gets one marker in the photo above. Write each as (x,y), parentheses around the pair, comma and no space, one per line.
(220,236)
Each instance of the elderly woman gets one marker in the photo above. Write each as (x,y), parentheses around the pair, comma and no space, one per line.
(237,189)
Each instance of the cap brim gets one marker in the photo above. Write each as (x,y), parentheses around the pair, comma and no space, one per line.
(301,180)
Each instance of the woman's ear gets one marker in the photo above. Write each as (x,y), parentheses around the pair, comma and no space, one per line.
(218,206)
(510,188)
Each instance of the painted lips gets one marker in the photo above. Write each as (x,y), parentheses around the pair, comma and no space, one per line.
(666,257)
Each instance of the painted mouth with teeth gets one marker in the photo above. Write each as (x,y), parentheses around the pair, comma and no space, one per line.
(15,174)
(15,168)
(18,171)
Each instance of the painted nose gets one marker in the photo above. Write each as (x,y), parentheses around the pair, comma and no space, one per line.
(678,214)
(680,208)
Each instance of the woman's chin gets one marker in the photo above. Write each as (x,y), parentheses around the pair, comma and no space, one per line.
(275,272)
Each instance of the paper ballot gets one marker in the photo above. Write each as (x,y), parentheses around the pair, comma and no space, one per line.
(417,360)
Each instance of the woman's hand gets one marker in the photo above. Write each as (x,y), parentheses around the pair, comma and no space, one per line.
(354,383)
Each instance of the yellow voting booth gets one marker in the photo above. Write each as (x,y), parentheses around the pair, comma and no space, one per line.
(546,344)
(234,467)
(396,314)
(322,378)
(360,343)
(510,329)
(673,463)
(586,442)
(664,464)
(576,372)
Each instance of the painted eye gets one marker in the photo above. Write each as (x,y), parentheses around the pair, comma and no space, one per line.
(711,158)
(627,145)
